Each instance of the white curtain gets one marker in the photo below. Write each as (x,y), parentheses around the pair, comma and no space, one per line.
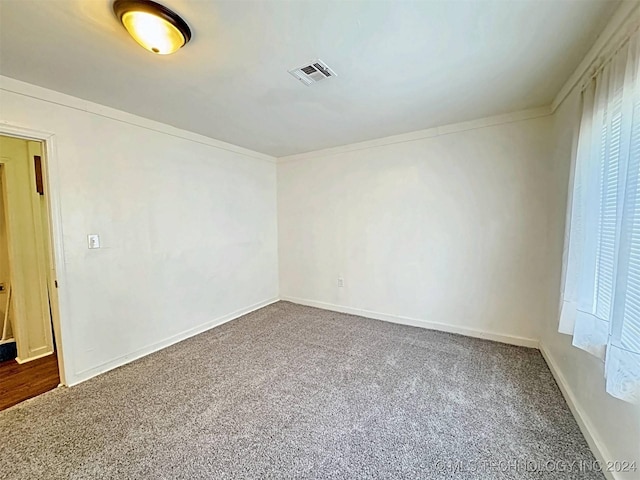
(601,294)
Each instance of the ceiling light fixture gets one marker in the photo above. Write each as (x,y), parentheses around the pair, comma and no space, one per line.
(152,25)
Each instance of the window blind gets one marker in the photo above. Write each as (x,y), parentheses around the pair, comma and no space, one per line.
(630,245)
(601,294)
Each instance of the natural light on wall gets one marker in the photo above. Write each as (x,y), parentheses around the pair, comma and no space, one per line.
(601,295)
(153,26)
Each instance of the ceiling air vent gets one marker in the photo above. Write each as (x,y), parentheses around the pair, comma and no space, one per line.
(312,72)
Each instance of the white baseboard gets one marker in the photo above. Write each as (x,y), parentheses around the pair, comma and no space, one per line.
(79,377)
(442,327)
(586,427)
(596,445)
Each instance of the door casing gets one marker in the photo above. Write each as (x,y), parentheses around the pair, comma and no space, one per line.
(59,301)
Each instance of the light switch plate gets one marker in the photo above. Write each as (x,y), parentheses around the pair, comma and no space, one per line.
(93,240)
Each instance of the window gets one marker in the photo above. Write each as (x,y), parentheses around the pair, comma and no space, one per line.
(601,295)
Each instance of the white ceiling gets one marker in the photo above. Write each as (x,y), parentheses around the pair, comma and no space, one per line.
(402,66)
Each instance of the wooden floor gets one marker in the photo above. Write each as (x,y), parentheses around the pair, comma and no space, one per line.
(20,382)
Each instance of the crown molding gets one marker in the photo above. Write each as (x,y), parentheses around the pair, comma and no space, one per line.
(422,134)
(625,19)
(18,87)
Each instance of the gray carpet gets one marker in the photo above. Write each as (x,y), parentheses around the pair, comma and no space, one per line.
(295,392)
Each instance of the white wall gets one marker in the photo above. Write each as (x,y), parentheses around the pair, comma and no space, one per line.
(187,224)
(461,231)
(611,425)
(447,231)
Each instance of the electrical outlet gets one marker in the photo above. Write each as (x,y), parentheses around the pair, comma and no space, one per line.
(340,282)
(93,240)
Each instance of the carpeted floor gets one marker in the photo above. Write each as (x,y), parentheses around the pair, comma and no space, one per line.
(295,392)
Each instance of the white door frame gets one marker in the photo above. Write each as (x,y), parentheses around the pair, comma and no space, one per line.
(52,181)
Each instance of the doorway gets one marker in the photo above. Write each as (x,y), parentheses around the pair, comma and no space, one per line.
(28,296)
